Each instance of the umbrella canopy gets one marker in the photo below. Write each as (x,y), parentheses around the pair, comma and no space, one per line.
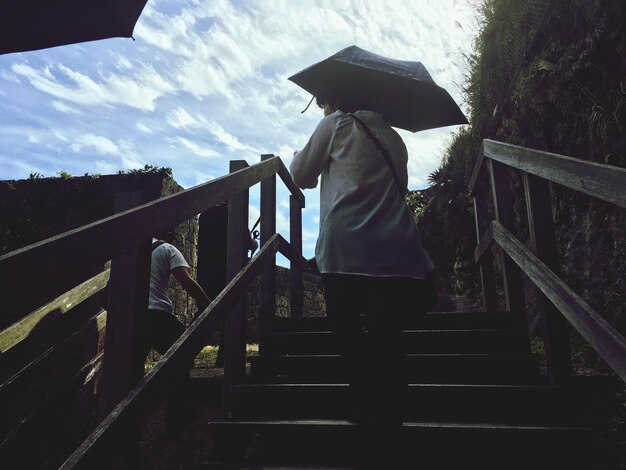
(402,91)
(27,25)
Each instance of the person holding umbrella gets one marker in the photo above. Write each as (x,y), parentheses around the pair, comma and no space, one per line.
(369,251)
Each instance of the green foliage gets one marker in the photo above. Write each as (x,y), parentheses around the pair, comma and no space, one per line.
(564,91)
(64,174)
(35,175)
(418,201)
(147,169)
(206,357)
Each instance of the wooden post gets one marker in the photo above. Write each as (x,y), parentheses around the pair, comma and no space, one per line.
(235,324)
(268,275)
(295,239)
(503,205)
(482,221)
(127,297)
(543,244)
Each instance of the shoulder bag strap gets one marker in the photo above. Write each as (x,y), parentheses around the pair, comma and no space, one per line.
(383,152)
(157,244)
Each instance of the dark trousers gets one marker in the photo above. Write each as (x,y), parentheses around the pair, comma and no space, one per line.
(366,315)
(159,330)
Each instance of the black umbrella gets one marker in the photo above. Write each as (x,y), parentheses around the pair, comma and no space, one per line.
(402,91)
(26,25)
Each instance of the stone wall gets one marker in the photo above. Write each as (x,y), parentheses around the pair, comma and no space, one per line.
(35,209)
(313,300)
(38,208)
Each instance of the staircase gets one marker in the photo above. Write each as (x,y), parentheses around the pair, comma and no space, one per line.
(476,399)
(477,396)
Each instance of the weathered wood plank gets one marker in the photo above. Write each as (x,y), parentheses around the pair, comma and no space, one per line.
(605,182)
(46,374)
(59,306)
(235,324)
(284,174)
(483,245)
(295,239)
(127,299)
(503,207)
(97,448)
(542,240)
(51,423)
(605,339)
(268,276)
(479,168)
(482,220)
(28,267)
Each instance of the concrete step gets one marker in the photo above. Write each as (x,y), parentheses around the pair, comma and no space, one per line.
(510,404)
(413,445)
(420,321)
(421,368)
(415,341)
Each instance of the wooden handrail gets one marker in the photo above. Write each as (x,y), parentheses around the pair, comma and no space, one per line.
(15,333)
(284,174)
(23,269)
(605,339)
(124,236)
(559,302)
(605,182)
(154,384)
(485,243)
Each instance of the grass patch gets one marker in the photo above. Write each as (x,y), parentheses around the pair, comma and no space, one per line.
(205,358)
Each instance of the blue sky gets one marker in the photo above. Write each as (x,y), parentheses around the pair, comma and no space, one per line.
(205,82)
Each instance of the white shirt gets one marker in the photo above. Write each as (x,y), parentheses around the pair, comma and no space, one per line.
(165,257)
(365,225)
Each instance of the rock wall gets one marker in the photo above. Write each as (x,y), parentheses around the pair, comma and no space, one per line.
(313,300)
(38,208)
(35,209)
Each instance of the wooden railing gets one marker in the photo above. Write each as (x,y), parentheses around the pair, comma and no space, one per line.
(559,303)
(125,239)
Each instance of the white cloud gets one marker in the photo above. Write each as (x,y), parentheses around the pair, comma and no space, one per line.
(143,128)
(228,139)
(213,76)
(34,137)
(179,118)
(64,108)
(59,134)
(201,178)
(132,162)
(9,77)
(197,148)
(97,143)
(123,63)
(105,167)
(139,91)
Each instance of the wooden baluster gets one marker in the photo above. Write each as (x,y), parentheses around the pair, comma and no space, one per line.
(123,361)
(236,257)
(543,244)
(482,221)
(268,275)
(295,239)
(503,205)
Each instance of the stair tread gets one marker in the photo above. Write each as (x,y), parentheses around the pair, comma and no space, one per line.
(406,330)
(338,423)
(445,316)
(411,385)
(328,355)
